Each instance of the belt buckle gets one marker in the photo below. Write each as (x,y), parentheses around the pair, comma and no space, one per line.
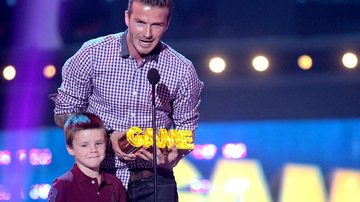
(139,175)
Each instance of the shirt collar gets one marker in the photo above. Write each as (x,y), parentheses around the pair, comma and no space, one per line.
(81,177)
(154,55)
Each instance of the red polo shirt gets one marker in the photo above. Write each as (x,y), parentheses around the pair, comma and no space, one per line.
(76,186)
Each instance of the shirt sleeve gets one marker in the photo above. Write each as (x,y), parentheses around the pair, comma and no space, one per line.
(75,88)
(57,192)
(187,101)
(122,193)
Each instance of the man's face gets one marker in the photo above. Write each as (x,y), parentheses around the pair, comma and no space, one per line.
(146,27)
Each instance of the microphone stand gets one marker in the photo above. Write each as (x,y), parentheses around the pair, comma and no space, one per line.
(154,77)
(154,141)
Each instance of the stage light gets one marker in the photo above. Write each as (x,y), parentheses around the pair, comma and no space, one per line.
(5,194)
(5,157)
(260,63)
(40,157)
(217,65)
(200,186)
(350,60)
(21,155)
(234,151)
(9,72)
(207,151)
(49,71)
(305,62)
(39,191)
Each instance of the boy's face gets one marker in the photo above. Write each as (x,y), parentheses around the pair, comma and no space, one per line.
(88,149)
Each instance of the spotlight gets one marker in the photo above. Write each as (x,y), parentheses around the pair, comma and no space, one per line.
(49,71)
(5,194)
(9,72)
(305,62)
(21,155)
(217,65)
(206,151)
(40,157)
(234,151)
(39,191)
(200,186)
(350,60)
(260,63)
(5,157)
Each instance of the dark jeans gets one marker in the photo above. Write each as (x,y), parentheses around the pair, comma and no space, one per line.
(143,190)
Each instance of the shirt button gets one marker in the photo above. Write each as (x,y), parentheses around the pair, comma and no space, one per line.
(92,181)
(98,193)
(132,115)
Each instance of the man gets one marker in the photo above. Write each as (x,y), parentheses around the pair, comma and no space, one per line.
(108,77)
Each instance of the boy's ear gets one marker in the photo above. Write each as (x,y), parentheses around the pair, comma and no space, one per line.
(70,150)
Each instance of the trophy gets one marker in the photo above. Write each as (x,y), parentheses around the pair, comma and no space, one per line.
(136,138)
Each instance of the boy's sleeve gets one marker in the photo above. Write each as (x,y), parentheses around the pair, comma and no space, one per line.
(122,192)
(58,191)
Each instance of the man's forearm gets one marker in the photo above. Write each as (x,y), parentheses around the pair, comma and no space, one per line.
(60,119)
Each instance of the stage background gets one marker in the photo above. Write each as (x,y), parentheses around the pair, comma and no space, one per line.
(283,135)
(307,153)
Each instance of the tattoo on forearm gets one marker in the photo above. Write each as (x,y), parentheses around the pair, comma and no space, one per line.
(60,119)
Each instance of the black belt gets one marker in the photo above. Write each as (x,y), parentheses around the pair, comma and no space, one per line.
(144,173)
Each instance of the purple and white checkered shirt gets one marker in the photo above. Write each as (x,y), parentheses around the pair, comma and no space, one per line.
(102,78)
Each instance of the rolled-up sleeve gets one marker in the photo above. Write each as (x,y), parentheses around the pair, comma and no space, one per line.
(76,84)
(186,104)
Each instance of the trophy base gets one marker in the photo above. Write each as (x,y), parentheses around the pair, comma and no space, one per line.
(126,147)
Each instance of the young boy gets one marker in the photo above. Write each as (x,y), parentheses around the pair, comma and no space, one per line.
(86,140)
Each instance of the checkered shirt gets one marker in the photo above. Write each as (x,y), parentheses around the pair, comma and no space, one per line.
(102,78)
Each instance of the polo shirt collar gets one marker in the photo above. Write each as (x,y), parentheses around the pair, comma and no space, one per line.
(81,177)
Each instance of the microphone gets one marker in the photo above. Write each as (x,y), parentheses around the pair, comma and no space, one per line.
(153,76)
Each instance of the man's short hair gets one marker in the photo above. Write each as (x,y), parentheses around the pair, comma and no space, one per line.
(155,3)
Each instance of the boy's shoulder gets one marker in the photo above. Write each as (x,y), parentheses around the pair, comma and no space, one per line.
(113,179)
(65,178)
(60,186)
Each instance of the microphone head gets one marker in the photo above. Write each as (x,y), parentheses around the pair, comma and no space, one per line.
(153,76)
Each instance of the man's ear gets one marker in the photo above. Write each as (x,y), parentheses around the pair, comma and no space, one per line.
(70,150)
(127,18)
(168,23)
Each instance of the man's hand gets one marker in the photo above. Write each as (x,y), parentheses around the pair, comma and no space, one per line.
(166,158)
(114,138)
